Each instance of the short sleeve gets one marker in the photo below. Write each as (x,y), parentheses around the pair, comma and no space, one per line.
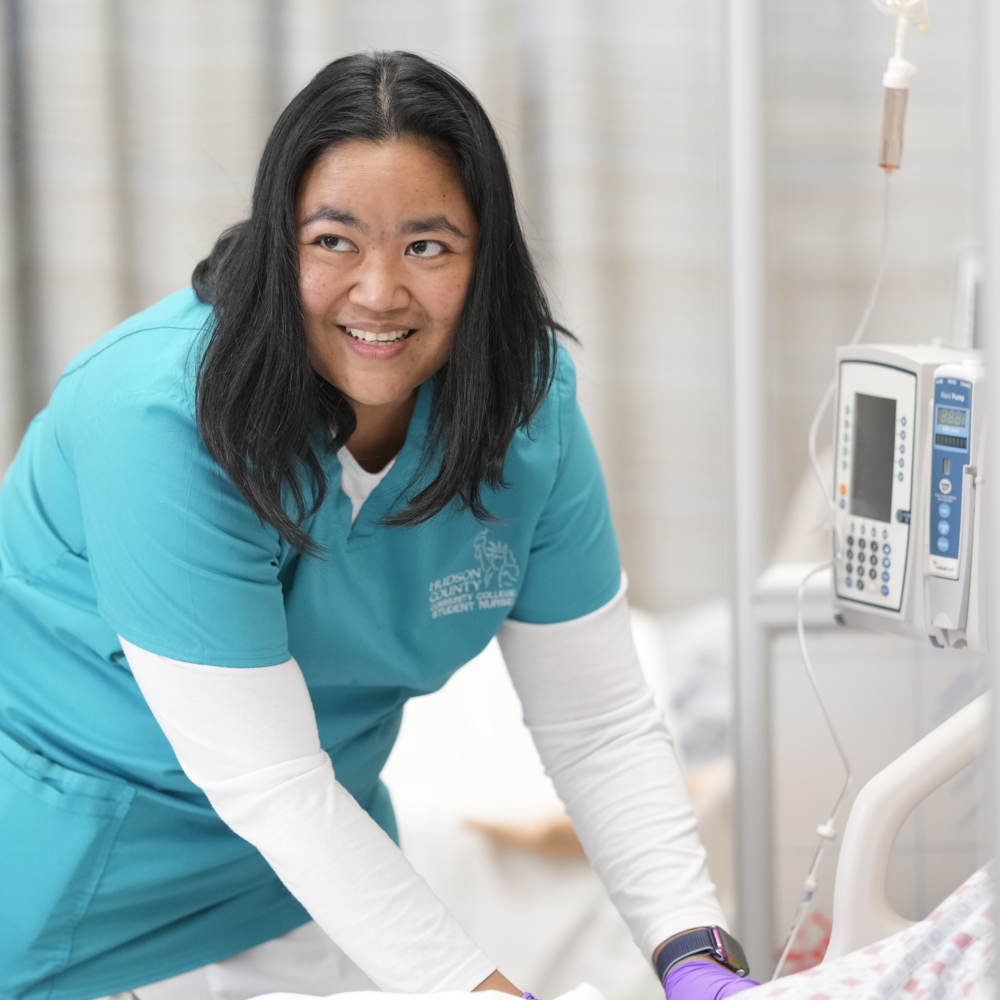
(573,567)
(181,565)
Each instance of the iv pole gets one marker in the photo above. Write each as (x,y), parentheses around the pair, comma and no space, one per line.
(989,204)
(746,245)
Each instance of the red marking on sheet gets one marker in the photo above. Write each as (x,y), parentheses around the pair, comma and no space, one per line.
(810,944)
(910,986)
(962,940)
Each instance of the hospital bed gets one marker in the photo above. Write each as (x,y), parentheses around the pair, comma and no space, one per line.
(862,913)
(873,951)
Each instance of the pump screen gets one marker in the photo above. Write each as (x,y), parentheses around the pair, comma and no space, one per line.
(947,417)
(950,441)
(874,456)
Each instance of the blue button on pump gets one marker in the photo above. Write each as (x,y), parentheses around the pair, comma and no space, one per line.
(885,548)
(843,504)
(849,582)
(943,527)
(942,544)
(885,563)
(944,510)
(900,477)
(902,420)
(885,590)
(885,577)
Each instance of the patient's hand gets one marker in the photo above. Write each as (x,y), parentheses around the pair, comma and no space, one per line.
(704,980)
(498,981)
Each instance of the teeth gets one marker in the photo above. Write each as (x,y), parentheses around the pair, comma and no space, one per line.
(377,338)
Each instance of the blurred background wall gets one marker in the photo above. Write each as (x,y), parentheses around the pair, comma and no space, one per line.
(134,126)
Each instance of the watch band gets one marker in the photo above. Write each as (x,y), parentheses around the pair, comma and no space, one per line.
(713,941)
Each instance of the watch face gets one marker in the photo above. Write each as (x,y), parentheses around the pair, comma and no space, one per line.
(732,952)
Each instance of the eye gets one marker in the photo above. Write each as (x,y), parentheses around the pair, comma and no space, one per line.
(338,244)
(426,248)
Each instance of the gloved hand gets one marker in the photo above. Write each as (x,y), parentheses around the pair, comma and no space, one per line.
(703,981)
(528,996)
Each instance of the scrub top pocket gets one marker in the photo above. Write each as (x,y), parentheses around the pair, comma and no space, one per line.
(57,828)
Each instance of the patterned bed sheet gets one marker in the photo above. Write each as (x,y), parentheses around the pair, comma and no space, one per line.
(945,957)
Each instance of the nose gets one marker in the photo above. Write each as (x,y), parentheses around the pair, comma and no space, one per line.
(379,286)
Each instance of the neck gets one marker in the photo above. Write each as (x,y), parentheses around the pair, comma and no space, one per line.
(381,431)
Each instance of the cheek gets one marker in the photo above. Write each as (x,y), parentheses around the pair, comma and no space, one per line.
(449,297)
(318,287)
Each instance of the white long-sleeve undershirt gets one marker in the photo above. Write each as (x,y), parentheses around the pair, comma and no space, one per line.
(607,749)
(356,483)
(248,738)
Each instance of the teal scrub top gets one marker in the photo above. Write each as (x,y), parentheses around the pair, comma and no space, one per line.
(114,520)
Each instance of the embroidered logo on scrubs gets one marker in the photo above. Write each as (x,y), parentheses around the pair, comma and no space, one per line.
(491,584)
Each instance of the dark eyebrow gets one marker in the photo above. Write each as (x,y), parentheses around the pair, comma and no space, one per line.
(331,214)
(434,224)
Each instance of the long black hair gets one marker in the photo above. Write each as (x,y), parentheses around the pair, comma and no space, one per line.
(264,413)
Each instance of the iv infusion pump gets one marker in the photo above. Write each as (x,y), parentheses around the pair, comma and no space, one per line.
(909,542)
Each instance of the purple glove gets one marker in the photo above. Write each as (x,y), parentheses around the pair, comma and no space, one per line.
(703,981)
(528,996)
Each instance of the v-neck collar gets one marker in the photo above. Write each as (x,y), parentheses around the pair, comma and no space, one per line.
(383,498)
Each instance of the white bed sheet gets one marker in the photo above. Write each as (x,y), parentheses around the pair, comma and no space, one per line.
(582,992)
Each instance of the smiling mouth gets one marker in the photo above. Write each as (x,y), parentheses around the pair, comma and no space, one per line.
(367,337)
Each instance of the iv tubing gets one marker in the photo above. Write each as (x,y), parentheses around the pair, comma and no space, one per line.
(827,831)
(858,334)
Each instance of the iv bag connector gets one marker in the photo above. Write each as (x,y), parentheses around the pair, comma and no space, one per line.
(893,119)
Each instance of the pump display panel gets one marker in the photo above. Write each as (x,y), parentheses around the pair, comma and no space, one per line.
(872,465)
(873,483)
(950,456)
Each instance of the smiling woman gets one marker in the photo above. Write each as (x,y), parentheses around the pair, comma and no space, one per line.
(257,518)
(381,308)
(373,139)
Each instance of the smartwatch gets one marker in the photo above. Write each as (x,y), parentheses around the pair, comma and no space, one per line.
(711,941)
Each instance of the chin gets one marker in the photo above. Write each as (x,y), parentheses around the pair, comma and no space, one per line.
(375,397)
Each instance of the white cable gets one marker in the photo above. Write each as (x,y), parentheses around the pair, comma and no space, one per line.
(831,388)
(828,830)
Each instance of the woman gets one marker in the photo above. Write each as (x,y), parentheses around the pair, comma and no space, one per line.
(257,518)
